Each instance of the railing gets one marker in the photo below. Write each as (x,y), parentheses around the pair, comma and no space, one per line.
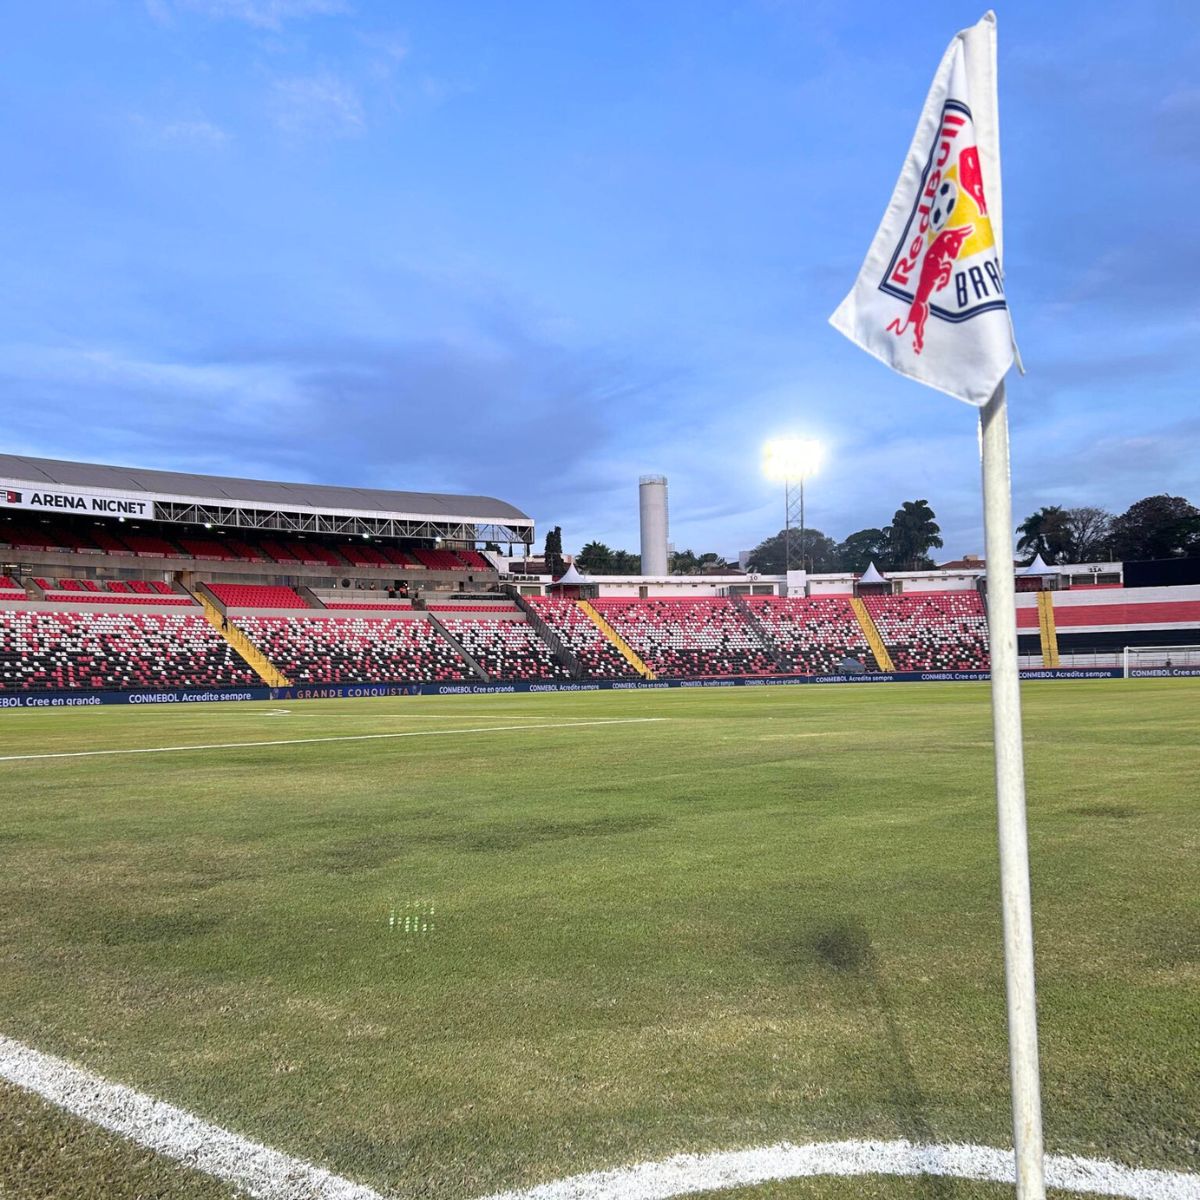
(781,660)
(563,652)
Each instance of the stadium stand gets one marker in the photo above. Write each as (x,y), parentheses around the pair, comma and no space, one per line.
(499,607)
(146,546)
(814,635)
(89,591)
(208,548)
(114,650)
(313,650)
(705,636)
(369,606)
(362,555)
(506,649)
(932,631)
(598,658)
(473,560)
(437,560)
(255,595)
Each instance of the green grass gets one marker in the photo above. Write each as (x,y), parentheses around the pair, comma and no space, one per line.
(771,916)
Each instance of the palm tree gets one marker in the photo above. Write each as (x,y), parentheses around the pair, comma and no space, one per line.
(1046,532)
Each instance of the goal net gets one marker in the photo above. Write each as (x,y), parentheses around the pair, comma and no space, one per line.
(1140,661)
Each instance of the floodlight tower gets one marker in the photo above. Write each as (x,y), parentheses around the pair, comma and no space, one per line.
(652,504)
(791,461)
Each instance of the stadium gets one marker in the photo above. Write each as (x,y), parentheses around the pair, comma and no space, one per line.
(145,586)
(365,835)
(302,854)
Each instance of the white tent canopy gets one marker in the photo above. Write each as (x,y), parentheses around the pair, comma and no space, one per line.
(872,575)
(1038,567)
(571,578)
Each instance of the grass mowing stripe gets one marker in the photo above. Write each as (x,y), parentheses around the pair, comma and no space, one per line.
(688,1174)
(172,1132)
(344,737)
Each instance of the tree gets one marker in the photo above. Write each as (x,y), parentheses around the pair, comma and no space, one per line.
(553,553)
(1089,534)
(1157,527)
(625,563)
(769,557)
(688,562)
(596,558)
(492,546)
(1045,532)
(913,533)
(861,549)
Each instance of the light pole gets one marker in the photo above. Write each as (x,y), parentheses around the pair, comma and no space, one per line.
(791,461)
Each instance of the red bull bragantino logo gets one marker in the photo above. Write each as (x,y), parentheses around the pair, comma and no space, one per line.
(945,263)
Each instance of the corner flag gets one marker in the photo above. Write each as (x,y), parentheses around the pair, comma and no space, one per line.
(929,300)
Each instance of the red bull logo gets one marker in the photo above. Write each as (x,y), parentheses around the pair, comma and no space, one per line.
(945,262)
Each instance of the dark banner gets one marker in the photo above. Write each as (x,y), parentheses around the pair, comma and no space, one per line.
(85,699)
(350,691)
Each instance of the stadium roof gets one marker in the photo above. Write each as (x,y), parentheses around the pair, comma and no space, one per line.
(176,487)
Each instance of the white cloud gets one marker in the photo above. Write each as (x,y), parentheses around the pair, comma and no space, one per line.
(318,104)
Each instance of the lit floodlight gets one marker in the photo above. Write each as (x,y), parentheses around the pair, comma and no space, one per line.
(792,458)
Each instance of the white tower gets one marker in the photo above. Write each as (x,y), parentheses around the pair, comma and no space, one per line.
(652,497)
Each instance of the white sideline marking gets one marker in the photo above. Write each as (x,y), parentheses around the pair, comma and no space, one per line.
(689,1173)
(341,737)
(271,1175)
(172,1132)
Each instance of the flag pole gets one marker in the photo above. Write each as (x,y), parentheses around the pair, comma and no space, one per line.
(1010,800)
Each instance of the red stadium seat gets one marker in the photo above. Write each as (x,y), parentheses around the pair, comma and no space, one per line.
(42,650)
(314,650)
(693,638)
(932,631)
(254,595)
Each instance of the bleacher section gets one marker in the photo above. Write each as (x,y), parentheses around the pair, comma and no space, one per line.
(112,591)
(698,637)
(506,649)
(597,657)
(439,560)
(814,635)
(932,631)
(64,650)
(250,595)
(314,650)
(187,544)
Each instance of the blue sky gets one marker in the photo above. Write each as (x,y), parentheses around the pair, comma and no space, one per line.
(536,249)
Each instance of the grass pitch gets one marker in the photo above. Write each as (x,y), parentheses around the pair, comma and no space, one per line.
(772,915)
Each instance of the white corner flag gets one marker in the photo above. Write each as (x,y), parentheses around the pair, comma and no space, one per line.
(929,300)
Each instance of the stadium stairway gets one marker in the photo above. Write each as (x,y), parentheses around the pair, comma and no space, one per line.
(1047,630)
(784,664)
(262,666)
(458,646)
(882,657)
(557,646)
(622,646)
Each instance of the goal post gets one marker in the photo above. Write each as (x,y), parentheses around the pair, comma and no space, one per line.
(1138,662)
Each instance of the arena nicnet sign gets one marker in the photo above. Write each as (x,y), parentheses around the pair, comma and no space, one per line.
(113,504)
